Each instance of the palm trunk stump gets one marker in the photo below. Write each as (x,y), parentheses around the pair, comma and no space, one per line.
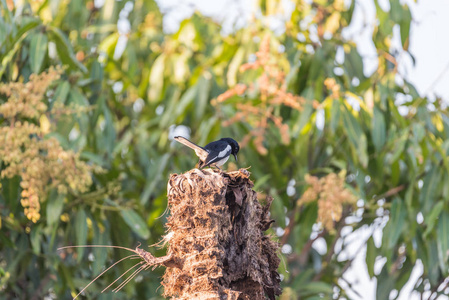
(216,239)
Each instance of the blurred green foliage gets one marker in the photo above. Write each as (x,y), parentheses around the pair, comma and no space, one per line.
(136,86)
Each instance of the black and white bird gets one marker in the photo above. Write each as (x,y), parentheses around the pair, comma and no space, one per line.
(214,154)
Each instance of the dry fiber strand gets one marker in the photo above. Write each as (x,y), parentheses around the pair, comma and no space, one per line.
(217,246)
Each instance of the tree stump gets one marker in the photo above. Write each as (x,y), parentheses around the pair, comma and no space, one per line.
(216,233)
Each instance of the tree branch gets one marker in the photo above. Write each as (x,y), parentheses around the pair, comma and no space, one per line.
(331,251)
(289,228)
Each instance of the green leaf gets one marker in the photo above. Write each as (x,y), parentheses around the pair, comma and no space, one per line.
(16,43)
(335,114)
(94,158)
(443,242)
(396,10)
(317,287)
(316,67)
(261,181)
(136,223)
(405,27)
(398,147)
(81,231)
(5,241)
(99,238)
(395,172)
(187,98)
(155,179)
(204,86)
(432,217)
(6,13)
(61,93)
(3,31)
(236,61)
(77,97)
(404,274)
(108,44)
(278,209)
(209,129)
(352,127)
(354,64)
(429,190)
(38,49)
(370,256)
(54,207)
(307,218)
(10,55)
(10,190)
(356,137)
(156,79)
(302,278)
(109,133)
(395,225)
(385,283)
(303,119)
(362,151)
(432,262)
(378,129)
(64,48)
(35,238)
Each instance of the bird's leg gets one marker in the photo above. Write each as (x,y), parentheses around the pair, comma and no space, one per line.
(221,170)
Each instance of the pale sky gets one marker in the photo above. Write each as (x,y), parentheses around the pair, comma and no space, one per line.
(430,46)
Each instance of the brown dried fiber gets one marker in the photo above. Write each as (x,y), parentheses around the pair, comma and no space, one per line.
(216,233)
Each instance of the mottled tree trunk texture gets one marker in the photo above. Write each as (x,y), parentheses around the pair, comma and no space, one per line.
(217,246)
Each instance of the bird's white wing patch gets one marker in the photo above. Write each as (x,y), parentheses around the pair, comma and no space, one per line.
(222,156)
(225,152)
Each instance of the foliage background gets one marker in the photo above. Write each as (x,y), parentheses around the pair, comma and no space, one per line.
(299,101)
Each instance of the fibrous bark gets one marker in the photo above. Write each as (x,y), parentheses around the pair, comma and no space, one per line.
(216,235)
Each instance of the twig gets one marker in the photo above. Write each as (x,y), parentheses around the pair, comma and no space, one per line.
(422,278)
(38,293)
(350,286)
(305,250)
(332,247)
(435,288)
(397,262)
(289,228)
(437,79)
(349,262)
(391,192)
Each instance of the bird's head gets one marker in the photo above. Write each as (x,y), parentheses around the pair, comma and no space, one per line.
(234,146)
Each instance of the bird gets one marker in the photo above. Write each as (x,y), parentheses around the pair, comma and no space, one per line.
(214,154)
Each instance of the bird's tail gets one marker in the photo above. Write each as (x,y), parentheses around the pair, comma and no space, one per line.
(200,151)
(188,143)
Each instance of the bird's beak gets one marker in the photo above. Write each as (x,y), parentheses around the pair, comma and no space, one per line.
(235,156)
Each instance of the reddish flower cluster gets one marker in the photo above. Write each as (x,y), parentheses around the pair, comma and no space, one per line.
(272,92)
